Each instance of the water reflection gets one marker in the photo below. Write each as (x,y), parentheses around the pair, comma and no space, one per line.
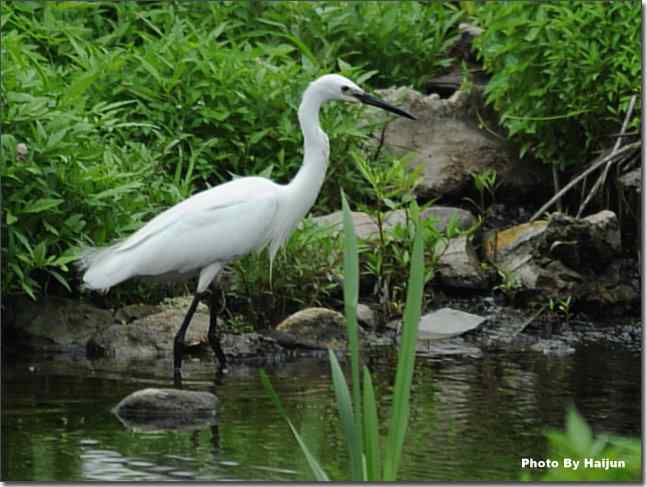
(472,417)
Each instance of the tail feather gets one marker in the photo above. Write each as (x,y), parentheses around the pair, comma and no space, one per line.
(102,268)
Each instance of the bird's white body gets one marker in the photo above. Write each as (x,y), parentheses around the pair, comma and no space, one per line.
(215,226)
(204,232)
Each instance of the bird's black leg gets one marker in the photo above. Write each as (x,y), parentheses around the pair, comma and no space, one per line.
(178,345)
(214,334)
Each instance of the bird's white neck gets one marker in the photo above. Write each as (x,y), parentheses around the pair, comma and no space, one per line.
(308,181)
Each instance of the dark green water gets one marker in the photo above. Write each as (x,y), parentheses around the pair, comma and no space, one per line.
(471,418)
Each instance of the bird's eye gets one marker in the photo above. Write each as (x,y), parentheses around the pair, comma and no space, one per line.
(345,89)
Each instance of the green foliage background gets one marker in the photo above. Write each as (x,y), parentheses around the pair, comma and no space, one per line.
(562,73)
(125,108)
(128,107)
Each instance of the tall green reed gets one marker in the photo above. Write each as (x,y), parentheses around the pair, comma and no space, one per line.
(357,406)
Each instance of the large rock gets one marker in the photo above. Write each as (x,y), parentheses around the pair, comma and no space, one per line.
(56,324)
(154,335)
(366,227)
(442,216)
(565,256)
(313,328)
(160,409)
(447,141)
(459,267)
(149,337)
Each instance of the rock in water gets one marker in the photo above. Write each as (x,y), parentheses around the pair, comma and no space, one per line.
(446,323)
(154,409)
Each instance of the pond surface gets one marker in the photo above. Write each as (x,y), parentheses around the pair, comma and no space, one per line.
(471,419)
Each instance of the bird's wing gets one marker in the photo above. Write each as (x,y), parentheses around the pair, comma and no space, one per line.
(204,204)
(206,235)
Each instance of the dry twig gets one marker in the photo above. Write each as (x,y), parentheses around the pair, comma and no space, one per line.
(603,176)
(620,155)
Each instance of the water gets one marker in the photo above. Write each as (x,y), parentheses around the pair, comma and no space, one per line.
(471,418)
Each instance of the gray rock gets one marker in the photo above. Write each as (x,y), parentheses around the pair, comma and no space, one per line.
(442,215)
(458,265)
(164,402)
(134,312)
(365,226)
(149,337)
(161,409)
(366,316)
(57,324)
(448,144)
(447,323)
(605,232)
(313,328)
(631,181)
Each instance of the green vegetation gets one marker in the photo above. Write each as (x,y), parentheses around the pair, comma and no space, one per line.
(562,73)
(485,185)
(113,111)
(357,407)
(126,108)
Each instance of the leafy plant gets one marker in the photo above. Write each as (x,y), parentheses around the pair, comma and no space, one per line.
(562,306)
(578,443)
(485,184)
(562,73)
(357,406)
(509,282)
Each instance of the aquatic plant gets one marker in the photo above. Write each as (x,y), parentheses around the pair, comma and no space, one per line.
(357,406)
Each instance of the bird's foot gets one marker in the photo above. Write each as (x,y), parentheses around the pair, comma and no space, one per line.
(177,377)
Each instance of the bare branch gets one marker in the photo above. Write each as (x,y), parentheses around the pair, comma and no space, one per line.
(611,157)
(603,176)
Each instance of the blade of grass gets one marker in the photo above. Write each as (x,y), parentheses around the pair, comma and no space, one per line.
(351,293)
(371,437)
(406,359)
(314,465)
(345,409)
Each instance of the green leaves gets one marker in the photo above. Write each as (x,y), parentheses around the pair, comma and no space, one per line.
(579,443)
(406,359)
(561,73)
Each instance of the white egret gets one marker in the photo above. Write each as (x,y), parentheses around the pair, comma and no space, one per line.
(202,233)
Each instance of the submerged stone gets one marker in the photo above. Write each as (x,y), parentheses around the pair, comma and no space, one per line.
(154,409)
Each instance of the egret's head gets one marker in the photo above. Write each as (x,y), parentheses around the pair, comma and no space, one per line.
(337,87)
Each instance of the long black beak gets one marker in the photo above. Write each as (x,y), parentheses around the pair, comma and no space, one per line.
(376,102)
